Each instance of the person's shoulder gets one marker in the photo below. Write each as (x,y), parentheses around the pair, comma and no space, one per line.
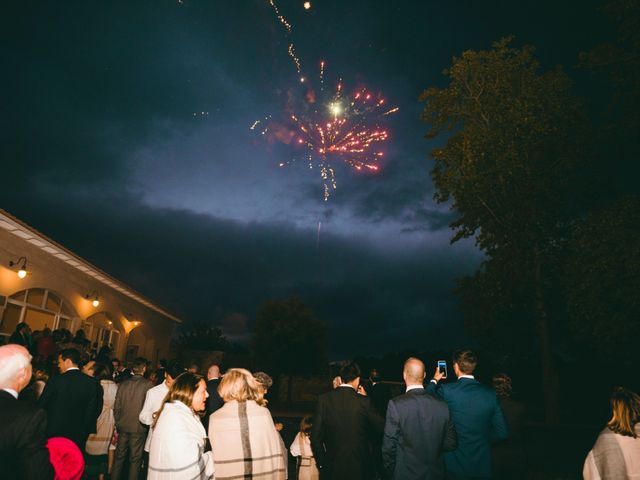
(158,389)
(254,409)
(327,395)
(229,408)
(18,409)
(146,384)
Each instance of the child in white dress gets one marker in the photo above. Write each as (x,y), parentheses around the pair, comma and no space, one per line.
(301,449)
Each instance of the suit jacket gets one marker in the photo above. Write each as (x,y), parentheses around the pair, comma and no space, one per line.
(379,394)
(214,401)
(129,402)
(343,427)
(23,454)
(479,421)
(418,430)
(73,402)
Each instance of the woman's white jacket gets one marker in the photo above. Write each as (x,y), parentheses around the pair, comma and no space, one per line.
(177,446)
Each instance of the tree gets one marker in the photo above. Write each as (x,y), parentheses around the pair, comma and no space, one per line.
(288,338)
(515,140)
(603,281)
(616,64)
(200,336)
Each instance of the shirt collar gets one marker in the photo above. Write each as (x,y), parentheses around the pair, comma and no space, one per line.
(71,368)
(467,376)
(413,387)
(13,393)
(346,385)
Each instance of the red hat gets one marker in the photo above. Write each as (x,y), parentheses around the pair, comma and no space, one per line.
(66,458)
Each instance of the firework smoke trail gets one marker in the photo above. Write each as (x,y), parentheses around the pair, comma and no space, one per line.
(281,19)
(318,237)
(291,51)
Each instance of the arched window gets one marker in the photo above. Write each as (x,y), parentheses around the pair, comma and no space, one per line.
(100,328)
(40,308)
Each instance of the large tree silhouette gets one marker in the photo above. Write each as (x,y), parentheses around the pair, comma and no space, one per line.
(515,140)
(288,338)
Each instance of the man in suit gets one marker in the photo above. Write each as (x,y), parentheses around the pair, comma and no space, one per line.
(72,400)
(379,395)
(343,426)
(126,412)
(21,335)
(23,454)
(214,402)
(418,429)
(476,415)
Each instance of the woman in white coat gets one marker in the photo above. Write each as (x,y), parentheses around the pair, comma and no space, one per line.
(178,442)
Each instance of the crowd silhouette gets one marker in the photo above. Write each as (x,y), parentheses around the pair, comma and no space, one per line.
(70,411)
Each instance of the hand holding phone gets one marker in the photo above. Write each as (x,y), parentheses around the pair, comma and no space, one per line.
(442,368)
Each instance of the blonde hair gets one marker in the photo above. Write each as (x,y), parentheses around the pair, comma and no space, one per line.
(238,384)
(182,390)
(625,405)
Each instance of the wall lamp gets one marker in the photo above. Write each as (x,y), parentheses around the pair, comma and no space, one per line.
(93,296)
(22,269)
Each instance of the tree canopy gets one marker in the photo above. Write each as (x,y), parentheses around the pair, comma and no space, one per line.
(288,338)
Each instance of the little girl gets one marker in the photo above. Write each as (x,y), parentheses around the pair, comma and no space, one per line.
(301,448)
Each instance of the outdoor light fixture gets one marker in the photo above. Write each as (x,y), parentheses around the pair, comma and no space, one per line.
(93,296)
(22,271)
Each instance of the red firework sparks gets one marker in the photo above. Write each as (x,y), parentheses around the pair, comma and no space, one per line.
(342,128)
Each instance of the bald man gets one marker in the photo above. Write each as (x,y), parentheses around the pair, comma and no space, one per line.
(23,454)
(417,430)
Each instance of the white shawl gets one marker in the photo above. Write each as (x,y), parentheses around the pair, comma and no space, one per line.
(177,446)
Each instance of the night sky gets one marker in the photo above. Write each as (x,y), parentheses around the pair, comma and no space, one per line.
(106,150)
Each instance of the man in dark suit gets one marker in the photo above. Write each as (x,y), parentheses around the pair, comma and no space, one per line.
(477,416)
(23,454)
(21,335)
(418,429)
(72,400)
(379,395)
(344,423)
(214,401)
(126,412)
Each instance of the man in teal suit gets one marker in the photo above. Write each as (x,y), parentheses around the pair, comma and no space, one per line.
(476,415)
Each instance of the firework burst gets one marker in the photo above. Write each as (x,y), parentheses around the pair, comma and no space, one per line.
(339,127)
(329,127)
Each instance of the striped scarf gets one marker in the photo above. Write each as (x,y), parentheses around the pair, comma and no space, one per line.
(245,443)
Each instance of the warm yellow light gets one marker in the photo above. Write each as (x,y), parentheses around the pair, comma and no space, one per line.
(95,303)
(22,273)
(335,108)
(307,5)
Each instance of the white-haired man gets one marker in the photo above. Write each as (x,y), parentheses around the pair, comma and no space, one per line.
(23,454)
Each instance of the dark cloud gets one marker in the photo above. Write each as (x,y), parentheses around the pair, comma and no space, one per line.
(221,271)
(103,153)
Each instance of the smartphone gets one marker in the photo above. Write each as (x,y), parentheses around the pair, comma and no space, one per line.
(442,366)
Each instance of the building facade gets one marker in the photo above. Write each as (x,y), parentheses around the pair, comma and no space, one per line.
(58,289)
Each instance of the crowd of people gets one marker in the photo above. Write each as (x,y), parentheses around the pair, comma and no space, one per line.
(69,412)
